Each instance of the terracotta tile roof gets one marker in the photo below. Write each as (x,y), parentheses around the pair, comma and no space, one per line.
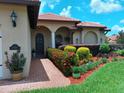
(90,24)
(112,39)
(54,17)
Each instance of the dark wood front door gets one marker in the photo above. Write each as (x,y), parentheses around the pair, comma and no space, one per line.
(39,45)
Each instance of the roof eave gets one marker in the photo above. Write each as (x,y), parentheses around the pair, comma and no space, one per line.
(59,20)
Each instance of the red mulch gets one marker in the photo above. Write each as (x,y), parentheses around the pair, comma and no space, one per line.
(84,76)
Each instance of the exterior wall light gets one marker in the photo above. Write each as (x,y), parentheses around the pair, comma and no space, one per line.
(13,18)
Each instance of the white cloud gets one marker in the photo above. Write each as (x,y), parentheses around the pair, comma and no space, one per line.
(50,3)
(117,28)
(122,21)
(100,6)
(66,11)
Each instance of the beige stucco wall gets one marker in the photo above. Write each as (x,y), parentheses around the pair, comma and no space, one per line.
(54,25)
(86,30)
(19,35)
(77,37)
(81,35)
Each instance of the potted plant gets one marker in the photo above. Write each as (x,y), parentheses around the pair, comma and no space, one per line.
(16,65)
(76,72)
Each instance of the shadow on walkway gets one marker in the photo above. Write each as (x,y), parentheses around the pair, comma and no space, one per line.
(37,74)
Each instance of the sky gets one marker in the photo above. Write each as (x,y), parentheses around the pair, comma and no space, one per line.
(107,12)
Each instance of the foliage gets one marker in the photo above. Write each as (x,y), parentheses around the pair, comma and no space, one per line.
(120,52)
(83,52)
(83,69)
(104,48)
(16,63)
(104,60)
(108,79)
(75,69)
(70,48)
(120,38)
(90,65)
(60,59)
(72,58)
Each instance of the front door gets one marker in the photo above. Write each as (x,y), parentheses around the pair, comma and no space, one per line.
(39,45)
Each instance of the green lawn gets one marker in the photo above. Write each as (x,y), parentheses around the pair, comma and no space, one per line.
(108,79)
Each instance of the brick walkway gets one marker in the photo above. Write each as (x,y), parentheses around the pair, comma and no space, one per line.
(43,74)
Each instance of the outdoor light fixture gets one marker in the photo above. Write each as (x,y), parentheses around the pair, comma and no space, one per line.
(13,18)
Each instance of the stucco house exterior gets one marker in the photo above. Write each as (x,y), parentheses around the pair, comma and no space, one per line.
(55,30)
(16,35)
(30,32)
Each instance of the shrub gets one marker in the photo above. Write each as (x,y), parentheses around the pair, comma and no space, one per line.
(120,52)
(90,65)
(104,60)
(83,52)
(72,58)
(83,69)
(75,69)
(58,58)
(104,48)
(70,48)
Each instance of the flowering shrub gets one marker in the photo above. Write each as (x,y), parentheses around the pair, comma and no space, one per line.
(72,58)
(70,48)
(59,58)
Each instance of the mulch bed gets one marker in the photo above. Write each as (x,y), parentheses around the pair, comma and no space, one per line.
(84,76)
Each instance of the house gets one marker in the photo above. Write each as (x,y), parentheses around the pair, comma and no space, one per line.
(54,30)
(17,19)
(112,39)
(22,29)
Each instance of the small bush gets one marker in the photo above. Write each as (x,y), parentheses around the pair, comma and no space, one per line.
(90,65)
(104,48)
(75,69)
(83,52)
(120,52)
(70,48)
(72,58)
(83,69)
(104,60)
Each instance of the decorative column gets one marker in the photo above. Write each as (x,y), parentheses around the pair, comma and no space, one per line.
(53,39)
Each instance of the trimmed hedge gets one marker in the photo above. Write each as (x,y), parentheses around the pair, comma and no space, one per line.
(70,48)
(84,53)
(59,58)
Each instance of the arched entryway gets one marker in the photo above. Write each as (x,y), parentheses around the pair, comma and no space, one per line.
(39,40)
(90,38)
(62,36)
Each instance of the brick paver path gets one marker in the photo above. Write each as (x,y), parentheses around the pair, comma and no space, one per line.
(43,74)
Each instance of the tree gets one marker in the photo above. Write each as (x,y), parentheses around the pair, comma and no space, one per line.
(120,39)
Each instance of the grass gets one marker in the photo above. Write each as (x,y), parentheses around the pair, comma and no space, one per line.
(109,79)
